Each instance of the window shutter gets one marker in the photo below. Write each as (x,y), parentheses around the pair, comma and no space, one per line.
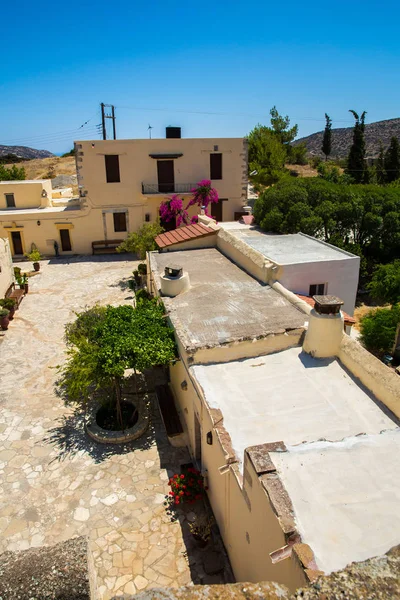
(112,168)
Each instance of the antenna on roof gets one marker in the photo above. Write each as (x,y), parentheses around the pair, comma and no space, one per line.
(149,130)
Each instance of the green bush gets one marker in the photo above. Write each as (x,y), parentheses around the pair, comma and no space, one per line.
(385,284)
(142,269)
(378,330)
(142,241)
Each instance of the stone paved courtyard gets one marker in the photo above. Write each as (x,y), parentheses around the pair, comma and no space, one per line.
(55,483)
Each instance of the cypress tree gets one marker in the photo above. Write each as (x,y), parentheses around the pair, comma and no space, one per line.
(392,160)
(380,165)
(356,165)
(327,139)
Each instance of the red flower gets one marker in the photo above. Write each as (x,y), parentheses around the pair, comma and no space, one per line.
(175,476)
(182,476)
(171,493)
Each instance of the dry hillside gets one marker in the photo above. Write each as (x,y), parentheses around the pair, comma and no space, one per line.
(49,168)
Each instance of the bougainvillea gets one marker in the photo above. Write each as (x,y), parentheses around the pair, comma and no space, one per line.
(172,209)
(187,487)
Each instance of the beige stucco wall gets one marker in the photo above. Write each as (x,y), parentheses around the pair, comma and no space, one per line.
(27,194)
(136,166)
(6,270)
(250,529)
(377,377)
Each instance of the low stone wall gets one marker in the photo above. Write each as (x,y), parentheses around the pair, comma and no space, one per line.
(374,579)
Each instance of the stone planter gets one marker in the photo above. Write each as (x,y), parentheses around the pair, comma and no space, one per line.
(105,436)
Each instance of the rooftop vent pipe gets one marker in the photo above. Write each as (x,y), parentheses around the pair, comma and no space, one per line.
(325,327)
(174,281)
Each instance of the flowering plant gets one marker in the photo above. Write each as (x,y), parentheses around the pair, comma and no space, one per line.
(187,487)
(172,209)
(202,529)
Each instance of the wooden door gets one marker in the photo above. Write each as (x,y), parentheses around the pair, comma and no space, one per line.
(216,210)
(16,242)
(166,179)
(65,240)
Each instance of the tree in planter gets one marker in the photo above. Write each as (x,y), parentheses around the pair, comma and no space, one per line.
(142,241)
(104,342)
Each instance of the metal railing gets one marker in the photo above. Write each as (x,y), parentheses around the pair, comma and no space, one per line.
(167,188)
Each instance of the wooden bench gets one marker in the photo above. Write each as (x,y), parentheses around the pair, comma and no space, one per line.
(15,294)
(105,246)
(169,414)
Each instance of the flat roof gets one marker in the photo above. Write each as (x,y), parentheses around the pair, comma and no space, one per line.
(288,396)
(21,181)
(345,495)
(224,303)
(286,249)
(17,212)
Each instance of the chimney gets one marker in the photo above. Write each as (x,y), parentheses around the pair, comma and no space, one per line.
(174,281)
(325,327)
(172,132)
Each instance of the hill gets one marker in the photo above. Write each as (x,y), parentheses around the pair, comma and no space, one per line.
(24,152)
(343,137)
(61,171)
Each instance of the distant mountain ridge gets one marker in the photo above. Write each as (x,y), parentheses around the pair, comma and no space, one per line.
(24,152)
(342,139)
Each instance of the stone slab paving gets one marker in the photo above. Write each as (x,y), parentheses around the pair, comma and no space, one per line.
(56,483)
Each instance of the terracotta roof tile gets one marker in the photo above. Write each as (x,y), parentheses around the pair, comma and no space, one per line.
(347,318)
(182,234)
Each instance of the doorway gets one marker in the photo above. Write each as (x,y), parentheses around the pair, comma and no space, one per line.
(166,178)
(16,242)
(197,441)
(216,210)
(65,240)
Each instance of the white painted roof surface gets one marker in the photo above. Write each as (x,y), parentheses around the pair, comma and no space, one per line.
(288,396)
(287,249)
(22,181)
(15,213)
(346,496)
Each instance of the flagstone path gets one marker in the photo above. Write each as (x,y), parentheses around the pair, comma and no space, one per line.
(57,484)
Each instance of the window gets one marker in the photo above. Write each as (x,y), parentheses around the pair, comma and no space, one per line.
(112,168)
(65,240)
(317,289)
(216,166)
(119,221)
(10,200)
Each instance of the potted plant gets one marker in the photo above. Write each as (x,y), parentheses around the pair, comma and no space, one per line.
(9,304)
(4,320)
(188,487)
(22,281)
(34,256)
(142,269)
(201,531)
(136,276)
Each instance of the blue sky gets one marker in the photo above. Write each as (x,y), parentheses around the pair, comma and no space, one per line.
(165,63)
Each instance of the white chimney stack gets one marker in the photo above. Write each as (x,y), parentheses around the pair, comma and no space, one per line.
(174,281)
(325,327)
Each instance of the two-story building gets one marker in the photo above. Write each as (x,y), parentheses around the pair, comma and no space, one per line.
(121,186)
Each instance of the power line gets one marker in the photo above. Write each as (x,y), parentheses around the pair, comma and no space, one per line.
(227,114)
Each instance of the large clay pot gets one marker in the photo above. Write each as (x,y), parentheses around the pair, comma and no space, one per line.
(11,313)
(36,266)
(26,288)
(4,321)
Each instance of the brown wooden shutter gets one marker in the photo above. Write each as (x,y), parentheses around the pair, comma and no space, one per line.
(119,221)
(216,166)
(65,240)
(112,168)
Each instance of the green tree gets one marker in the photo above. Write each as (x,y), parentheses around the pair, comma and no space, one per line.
(378,330)
(14,173)
(392,160)
(380,165)
(281,127)
(70,153)
(266,156)
(104,342)
(327,139)
(356,164)
(385,283)
(142,241)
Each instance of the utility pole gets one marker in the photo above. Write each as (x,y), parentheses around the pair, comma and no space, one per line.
(105,116)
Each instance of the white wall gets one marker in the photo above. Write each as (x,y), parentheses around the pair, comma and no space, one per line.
(6,268)
(340,275)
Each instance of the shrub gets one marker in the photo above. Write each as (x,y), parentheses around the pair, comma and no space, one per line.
(187,487)
(8,303)
(34,256)
(142,241)
(142,269)
(378,329)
